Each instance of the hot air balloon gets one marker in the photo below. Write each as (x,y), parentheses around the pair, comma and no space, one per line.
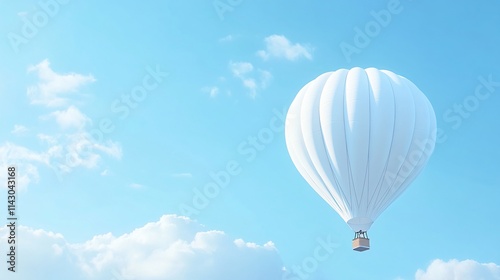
(359,137)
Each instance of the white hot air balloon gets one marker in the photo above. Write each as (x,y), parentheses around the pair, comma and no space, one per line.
(359,137)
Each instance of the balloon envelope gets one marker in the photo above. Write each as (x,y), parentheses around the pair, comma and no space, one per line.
(359,137)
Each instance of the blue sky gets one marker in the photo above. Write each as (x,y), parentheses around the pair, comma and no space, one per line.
(117,115)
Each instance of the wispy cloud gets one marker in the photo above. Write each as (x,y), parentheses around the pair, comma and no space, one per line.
(81,150)
(226,39)
(69,146)
(64,152)
(136,186)
(72,117)
(53,89)
(48,139)
(25,159)
(278,46)
(110,148)
(240,69)
(14,153)
(212,91)
(253,80)
(265,78)
(19,129)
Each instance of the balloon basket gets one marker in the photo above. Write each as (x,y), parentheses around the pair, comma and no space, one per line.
(361,242)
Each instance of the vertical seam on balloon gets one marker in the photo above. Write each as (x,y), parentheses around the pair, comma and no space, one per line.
(350,179)
(409,148)
(345,207)
(380,183)
(320,182)
(368,200)
(297,145)
(325,182)
(310,163)
(415,171)
(367,173)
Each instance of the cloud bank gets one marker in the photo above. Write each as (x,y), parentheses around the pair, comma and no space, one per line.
(171,248)
(459,270)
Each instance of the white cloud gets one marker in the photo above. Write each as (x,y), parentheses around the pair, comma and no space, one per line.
(173,248)
(51,140)
(53,89)
(80,149)
(279,46)
(226,39)
(110,148)
(63,154)
(12,154)
(213,91)
(251,85)
(26,161)
(64,150)
(105,172)
(43,252)
(265,78)
(240,69)
(70,118)
(27,173)
(253,82)
(459,270)
(19,129)
(136,186)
